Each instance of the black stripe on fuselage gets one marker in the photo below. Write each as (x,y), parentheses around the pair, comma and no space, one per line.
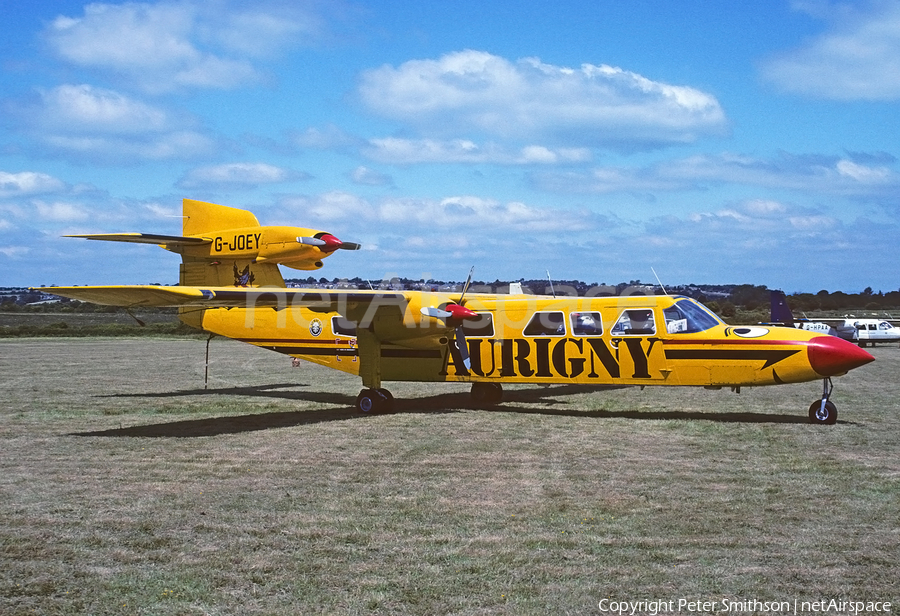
(771,357)
(353,352)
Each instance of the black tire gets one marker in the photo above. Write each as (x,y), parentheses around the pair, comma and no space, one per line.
(486,394)
(366,401)
(817,415)
(387,400)
(370,401)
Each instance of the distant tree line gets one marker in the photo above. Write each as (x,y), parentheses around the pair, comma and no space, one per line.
(727,299)
(745,297)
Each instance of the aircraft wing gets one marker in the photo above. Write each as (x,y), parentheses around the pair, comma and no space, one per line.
(145,238)
(132,296)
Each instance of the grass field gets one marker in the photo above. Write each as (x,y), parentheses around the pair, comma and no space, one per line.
(126,488)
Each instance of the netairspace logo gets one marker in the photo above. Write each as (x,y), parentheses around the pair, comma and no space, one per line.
(751,606)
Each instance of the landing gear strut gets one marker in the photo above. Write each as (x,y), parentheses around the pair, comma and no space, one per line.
(823,411)
(374,401)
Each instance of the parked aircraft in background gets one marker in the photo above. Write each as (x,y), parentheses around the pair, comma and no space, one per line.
(863,331)
(484,339)
(780,314)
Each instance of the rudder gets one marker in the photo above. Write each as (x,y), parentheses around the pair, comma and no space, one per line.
(202,217)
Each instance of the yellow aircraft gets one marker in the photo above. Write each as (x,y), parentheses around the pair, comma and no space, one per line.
(232,287)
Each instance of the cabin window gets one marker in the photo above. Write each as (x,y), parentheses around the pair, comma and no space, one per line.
(884,325)
(635,322)
(546,324)
(481,327)
(342,327)
(586,323)
(686,317)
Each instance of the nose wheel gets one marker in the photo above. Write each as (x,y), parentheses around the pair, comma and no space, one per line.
(823,411)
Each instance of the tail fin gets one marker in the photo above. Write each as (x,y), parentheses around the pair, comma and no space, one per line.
(201,217)
(780,311)
(199,268)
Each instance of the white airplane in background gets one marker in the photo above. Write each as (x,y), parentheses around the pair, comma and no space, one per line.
(862,331)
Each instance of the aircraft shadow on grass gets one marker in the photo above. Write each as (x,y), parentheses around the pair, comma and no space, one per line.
(515,401)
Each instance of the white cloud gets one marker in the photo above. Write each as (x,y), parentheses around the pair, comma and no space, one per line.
(328,207)
(86,109)
(475,214)
(864,174)
(327,138)
(236,174)
(162,211)
(169,45)
(399,151)
(104,124)
(857,58)
(60,211)
(751,240)
(115,150)
(28,183)
(816,174)
(369,177)
(14,252)
(589,106)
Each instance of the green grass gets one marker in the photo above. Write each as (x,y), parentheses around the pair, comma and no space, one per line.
(126,488)
(24,324)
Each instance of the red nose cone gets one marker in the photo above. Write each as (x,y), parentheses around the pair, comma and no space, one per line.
(331,243)
(459,312)
(831,356)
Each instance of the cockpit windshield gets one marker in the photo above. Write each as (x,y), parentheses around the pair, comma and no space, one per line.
(689,317)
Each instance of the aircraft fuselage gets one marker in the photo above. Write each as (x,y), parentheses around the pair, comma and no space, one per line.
(652,340)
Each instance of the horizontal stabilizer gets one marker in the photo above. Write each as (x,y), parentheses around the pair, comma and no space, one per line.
(145,238)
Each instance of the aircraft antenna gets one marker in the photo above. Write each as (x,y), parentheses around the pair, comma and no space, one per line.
(659,281)
(550,280)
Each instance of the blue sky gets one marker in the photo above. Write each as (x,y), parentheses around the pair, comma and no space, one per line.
(715,142)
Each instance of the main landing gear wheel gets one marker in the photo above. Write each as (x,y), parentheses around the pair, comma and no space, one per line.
(374,401)
(487,393)
(823,411)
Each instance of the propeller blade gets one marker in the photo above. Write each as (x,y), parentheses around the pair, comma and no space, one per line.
(437,313)
(463,347)
(466,287)
(328,243)
(450,311)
